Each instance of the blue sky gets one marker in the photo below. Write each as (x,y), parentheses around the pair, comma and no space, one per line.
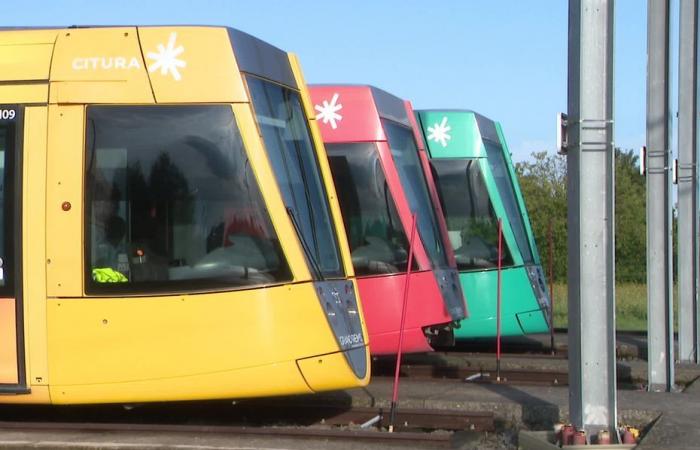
(506,59)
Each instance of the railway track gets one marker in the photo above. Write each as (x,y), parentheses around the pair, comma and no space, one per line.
(476,375)
(364,424)
(419,438)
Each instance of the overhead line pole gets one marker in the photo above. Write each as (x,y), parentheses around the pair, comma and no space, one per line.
(687,182)
(659,237)
(591,218)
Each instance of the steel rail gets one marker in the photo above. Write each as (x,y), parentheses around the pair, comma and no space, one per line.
(509,376)
(442,439)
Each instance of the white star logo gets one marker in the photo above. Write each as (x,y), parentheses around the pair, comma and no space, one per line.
(329,112)
(167,58)
(438,132)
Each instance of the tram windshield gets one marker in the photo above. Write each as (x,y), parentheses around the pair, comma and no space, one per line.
(172,203)
(375,233)
(289,146)
(498,166)
(472,224)
(405,153)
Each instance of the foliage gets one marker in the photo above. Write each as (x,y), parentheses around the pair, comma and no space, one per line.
(630,219)
(543,183)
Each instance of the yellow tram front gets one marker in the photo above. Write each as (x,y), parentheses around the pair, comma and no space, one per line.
(170,229)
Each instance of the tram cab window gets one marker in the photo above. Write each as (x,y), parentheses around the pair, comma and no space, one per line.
(376,236)
(472,224)
(172,203)
(289,146)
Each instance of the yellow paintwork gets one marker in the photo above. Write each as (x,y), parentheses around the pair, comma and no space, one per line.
(271,193)
(280,378)
(8,337)
(82,349)
(64,183)
(115,342)
(26,37)
(38,395)
(25,62)
(34,243)
(210,74)
(87,67)
(301,82)
(24,93)
(315,370)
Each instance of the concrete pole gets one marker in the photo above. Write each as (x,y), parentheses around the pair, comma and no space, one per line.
(659,244)
(591,246)
(687,182)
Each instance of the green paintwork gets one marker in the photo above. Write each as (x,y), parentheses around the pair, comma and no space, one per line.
(522,314)
(465,139)
(480,289)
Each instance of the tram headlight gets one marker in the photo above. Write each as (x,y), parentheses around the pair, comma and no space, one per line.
(340,306)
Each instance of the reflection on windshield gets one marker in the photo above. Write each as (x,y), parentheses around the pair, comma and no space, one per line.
(497,163)
(405,154)
(471,221)
(171,203)
(375,233)
(288,143)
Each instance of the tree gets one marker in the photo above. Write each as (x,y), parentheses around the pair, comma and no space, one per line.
(630,218)
(543,183)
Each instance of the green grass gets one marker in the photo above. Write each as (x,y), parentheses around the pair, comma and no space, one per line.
(630,306)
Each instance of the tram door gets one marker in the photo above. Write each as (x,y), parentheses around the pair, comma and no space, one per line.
(11,348)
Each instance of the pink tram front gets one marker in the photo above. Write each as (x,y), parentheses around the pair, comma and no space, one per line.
(382,178)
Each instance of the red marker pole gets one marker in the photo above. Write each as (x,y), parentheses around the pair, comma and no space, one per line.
(498,301)
(395,395)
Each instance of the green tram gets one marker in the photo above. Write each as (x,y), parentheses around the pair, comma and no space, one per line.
(477,186)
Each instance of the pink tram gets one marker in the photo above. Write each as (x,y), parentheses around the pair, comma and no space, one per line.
(382,178)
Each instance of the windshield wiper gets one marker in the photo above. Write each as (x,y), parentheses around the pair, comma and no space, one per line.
(305,246)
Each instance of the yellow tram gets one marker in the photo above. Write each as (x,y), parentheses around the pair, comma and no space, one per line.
(170,229)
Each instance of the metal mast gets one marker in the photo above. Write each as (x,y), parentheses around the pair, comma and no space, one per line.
(659,244)
(591,246)
(687,182)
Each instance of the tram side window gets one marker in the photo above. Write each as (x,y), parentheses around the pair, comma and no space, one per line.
(471,221)
(405,154)
(172,203)
(287,140)
(501,174)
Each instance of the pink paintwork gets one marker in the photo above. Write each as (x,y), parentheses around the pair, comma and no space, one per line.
(359,120)
(432,186)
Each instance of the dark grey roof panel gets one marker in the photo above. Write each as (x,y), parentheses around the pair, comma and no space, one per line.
(259,58)
(487,128)
(390,106)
